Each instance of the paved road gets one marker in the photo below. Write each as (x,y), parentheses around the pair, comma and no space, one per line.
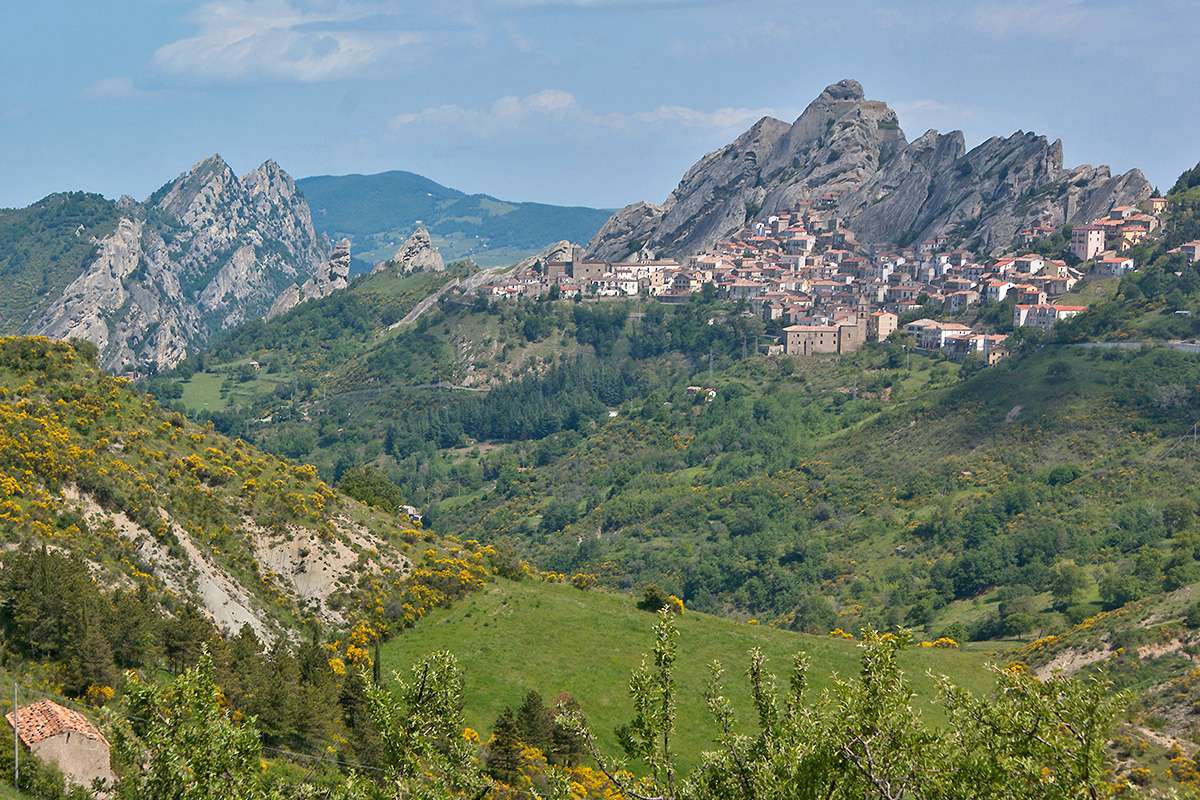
(1186,347)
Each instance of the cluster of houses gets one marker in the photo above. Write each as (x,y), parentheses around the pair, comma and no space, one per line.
(804,271)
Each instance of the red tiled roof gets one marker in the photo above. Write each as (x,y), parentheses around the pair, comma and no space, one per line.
(45,719)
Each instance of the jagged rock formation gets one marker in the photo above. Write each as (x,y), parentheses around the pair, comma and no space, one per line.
(888,190)
(559,251)
(983,197)
(334,274)
(206,251)
(417,254)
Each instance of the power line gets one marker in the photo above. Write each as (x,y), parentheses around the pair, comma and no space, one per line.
(1193,435)
(16,740)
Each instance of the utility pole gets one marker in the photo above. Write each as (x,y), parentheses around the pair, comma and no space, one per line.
(16,741)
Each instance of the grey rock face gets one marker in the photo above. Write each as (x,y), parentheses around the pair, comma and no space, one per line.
(627,232)
(559,251)
(204,252)
(329,278)
(984,197)
(417,254)
(888,190)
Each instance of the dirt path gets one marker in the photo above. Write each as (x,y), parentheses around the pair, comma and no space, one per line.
(468,284)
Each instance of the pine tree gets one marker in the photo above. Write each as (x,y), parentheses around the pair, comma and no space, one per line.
(89,659)
(364,743)
(534,722)
(185,637)
(566,745)
(504,750)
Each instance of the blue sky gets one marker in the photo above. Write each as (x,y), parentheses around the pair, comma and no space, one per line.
(596,102)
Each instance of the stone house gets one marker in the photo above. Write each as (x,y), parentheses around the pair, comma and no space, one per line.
(996,290)
(1043,316)
(881,325)
(66,739)
(960,300)
(935,336)
(1087,241)
(844,336)
(805,340)
(1029,264)
(1113,264)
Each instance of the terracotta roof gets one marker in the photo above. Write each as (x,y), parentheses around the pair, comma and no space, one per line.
(45,719)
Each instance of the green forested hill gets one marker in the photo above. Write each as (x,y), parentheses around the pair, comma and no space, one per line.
(173,513)
(878,489)
(651,446)
(44,247)
(379,211)
(133,540)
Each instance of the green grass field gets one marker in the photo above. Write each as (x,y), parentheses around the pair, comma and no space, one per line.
(513,637)
(203,392)
(7,792)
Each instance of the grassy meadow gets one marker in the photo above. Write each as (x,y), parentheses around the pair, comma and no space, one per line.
(553,638)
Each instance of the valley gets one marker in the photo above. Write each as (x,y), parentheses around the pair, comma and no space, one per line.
(866,464)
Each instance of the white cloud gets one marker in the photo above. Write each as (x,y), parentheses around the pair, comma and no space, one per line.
(601,5)
(115,88)
(504,112)
(553,104)
(922,114)
(287,40)
(1045,19)
(923,106)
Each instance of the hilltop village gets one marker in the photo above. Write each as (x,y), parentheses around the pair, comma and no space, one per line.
(826,293)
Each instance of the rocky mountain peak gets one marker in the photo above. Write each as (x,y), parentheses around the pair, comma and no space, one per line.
(155,287)
(851,149)
(270,177)
(834,146)
(846,89)
(333,275)
(204,186)
(417,254)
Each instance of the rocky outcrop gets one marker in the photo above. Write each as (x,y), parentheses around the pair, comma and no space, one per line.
(333,275)
(204,252)
(984,197)
(852,152)
(557,252)
(417,254)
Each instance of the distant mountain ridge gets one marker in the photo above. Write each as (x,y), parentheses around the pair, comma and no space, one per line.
(380,211)
(889,190)
(148,282)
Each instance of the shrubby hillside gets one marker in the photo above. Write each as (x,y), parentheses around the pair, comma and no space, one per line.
(887,488)
(652,449)
(100,487)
